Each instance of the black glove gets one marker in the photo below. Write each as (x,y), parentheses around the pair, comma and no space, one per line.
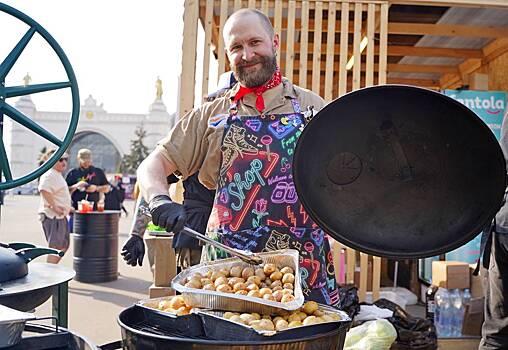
(134,250)
(167,214)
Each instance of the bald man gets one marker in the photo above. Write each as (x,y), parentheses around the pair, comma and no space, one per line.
(242,143)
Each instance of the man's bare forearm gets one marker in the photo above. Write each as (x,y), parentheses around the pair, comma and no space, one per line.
(152,173)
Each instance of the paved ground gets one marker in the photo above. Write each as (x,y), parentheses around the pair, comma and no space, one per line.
(93,308)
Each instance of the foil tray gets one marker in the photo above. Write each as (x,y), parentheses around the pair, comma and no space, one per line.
(240,303)
(189,325)
(217,327)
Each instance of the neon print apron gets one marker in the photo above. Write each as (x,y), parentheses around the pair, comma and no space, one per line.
(256,207)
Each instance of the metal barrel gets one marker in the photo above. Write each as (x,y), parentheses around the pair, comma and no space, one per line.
(95,241)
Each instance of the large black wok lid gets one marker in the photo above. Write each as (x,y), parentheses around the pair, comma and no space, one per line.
(399,171)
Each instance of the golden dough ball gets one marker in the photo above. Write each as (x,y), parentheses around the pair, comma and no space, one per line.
(256,316)
(276,288)
(239,286)
(177,302)
(278,295)
(264,291)
(254,293)
(287,291)
(276,283)
(268,269)
(309,307)
(224,271)
(276,275)
(247,272)
(197,275)
(234,280)
(294,324)
(247,318)
(252,286)
(318,313)
(241,292)
(216,274)
(209,286)
(275,319)
(310,320)
(288,286)
(281,325)
(220,280)
(287,298)
(205,281)
(193,284)
(263,285)
(294,317)
(260,273)
(224,288)
(268,281)
(288,278)
(263,325)
(302,315)
(237,318)
(266,317)
(269,297)
(254,279)
(236,271)
(164,304)
(227,315)
(196,281)
(286,269)
(182,311)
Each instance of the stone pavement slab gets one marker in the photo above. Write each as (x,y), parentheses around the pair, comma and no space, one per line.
(93,308)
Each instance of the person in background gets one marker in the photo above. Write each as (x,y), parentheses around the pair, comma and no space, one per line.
(114,198)
(55,205)
(494,249)
(198,202)
(86,181)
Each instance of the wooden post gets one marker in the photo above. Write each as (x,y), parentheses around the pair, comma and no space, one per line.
(344,29)
(316,55)
(164,267)
(188,77)
(304,38)
(330,46)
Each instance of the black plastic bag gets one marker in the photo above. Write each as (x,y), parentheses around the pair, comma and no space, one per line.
(348,300)
(412,332)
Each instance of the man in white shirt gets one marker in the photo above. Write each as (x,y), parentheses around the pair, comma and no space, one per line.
(54,207)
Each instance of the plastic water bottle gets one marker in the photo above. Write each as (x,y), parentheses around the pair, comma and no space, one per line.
(457,313)
(466,297)
(443,315)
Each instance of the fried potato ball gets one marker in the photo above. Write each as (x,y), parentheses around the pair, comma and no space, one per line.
(220,280)
(288,278)
(288,286)
(287,298)
(276,275)
(309,307)
(281,325)
(247,272)
(252,286)
(209,286)
(254,293)
(254,279)
(239,286)
(236,271)
(260,273)
(268,269)
(278,295)
(224,288)
(294,324)
(269,297)
(241,292)
(234,280)
(310,320)
(264,291)
(286,269)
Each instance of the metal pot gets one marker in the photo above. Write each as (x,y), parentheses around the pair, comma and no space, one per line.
(12,324)
(14,258)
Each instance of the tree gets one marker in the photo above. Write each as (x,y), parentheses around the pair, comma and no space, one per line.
(138,152)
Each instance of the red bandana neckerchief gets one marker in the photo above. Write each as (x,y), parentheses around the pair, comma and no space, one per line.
(258,90)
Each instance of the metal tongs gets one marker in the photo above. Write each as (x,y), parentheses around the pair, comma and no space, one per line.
(244,255)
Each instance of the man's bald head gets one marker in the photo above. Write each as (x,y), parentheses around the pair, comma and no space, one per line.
(238,15)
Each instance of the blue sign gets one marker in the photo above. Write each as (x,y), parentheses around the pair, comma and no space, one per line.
(488,105)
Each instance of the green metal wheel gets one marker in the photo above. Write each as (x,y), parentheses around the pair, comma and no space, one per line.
(8,110)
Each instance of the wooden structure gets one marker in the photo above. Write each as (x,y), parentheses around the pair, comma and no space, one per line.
(336,46)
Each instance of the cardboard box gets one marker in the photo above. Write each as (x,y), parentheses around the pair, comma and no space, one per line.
(473,317)
(450,274)
(477,281)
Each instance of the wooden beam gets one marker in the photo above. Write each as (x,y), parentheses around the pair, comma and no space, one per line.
(383,44)
(304,34)
(208,24)
(188,76)
(343,47)
(447,30)
(503,4)
(396,50)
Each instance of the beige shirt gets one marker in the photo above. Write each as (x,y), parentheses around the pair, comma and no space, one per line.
(54,183)
(195,141)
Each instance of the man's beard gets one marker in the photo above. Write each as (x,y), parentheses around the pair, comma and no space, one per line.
(259,77)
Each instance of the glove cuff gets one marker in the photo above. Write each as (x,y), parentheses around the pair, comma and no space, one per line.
(158,200)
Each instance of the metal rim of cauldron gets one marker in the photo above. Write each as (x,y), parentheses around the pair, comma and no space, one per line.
(315,215)
(76,341)
(212,342)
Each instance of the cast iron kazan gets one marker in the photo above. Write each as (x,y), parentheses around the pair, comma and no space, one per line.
(399,171)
